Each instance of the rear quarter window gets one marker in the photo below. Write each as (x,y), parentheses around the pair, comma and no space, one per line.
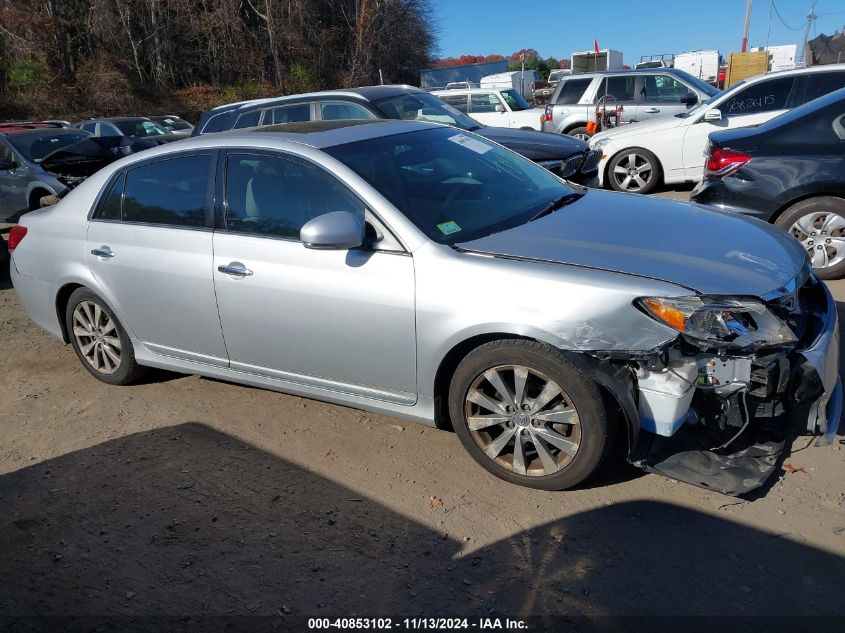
(763,96)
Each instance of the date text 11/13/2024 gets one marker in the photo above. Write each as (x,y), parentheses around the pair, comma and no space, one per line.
(415,624)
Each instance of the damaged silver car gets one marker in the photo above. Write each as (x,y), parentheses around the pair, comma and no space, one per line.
(427,273)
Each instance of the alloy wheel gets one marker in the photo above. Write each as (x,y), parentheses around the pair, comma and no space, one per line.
(96,337)
(822,234)
(633,172)
(522,420)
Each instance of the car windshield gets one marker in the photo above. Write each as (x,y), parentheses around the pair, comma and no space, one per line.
(703,86)
(140,128)
(516,101)
(36,147)
(455,187)
(174,124)
(422,106)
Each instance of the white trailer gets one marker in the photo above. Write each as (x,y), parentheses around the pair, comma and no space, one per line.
(701,64)
(590,61)
(781,57)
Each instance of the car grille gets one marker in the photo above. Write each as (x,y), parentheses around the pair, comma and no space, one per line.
(591,163)
(571,165)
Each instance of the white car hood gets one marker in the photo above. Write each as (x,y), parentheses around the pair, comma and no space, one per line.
(634,129)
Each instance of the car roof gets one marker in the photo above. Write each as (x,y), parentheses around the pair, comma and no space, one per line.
(796,71)
(453,91)
(42,131)
(117,119)
(626,71)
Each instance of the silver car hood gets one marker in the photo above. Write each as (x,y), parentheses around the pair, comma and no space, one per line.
(711,252)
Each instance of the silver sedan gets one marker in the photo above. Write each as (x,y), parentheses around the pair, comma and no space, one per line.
(427,273)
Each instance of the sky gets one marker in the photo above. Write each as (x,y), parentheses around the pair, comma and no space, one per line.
(635,27)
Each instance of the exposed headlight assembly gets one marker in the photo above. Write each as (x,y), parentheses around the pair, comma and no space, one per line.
(720,321)
(599,144)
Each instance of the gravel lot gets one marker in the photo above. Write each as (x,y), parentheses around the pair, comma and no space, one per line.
(184,496)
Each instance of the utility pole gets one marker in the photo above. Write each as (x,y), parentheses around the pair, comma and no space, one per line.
(810,19)
(747,27)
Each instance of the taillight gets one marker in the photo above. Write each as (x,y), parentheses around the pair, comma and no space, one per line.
(16,236)
(721,162)
(549,113)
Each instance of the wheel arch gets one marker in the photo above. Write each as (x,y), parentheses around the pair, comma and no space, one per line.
(571,126)
(62,298)
(615,383)
(794,197)
(33,189)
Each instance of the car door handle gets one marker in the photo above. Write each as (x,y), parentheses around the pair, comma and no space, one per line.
(103,251)
(236,269)
(651,110)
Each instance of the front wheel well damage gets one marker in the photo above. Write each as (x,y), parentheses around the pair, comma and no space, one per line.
(62,297)
(614,382)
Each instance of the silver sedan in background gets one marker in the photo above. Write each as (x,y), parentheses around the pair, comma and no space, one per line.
(425,272)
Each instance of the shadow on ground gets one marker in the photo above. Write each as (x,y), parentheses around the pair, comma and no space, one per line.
(187,521)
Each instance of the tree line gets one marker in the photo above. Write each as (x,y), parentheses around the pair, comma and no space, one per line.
(87,57)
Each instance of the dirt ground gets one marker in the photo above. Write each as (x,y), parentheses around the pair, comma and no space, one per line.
(184,496)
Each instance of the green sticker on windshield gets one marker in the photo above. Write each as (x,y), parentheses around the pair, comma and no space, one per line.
(447,228)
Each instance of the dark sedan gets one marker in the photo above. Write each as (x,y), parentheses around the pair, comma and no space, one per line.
(565,156)
(790,172)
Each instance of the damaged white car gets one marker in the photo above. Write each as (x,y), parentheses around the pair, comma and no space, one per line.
(427,273)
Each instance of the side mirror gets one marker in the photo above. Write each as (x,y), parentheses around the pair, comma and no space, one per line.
(500,108)
(689,98)
(7,165)
(338,230)
(713,116)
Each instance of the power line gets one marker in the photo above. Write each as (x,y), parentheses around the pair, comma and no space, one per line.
(780,17)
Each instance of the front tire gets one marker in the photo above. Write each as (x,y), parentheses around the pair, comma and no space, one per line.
(634,170)
(819,225)
(99,340)
(580,132)
(527,415)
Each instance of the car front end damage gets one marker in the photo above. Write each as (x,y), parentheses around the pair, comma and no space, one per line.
(716,406)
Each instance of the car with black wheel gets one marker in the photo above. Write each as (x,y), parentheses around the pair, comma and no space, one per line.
(789,172)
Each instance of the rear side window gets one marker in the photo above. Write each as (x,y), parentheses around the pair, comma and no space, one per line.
(217,123)
(763,96)
(481,103)
(456,101)
(110,207)
(295,113)
(572,90)
(819,84)
(623,88)
(248,119)
(171,192)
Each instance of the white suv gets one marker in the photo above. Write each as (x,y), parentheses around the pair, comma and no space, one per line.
(636,158)
(495,107)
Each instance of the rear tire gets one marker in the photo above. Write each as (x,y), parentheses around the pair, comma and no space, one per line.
(515,390)
(819,226)
(99,340)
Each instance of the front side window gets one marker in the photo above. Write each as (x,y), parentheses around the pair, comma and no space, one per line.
(274,196)
(484,103)
(171,192)
(453,186)
(344,111)
(572,90)
(622,88)
(762,96)
(663,88)
(515,101)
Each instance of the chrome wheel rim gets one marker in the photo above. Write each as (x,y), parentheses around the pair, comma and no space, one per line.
(633,172)
(582,136)
(522,420)
(822,234)
(96,337)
